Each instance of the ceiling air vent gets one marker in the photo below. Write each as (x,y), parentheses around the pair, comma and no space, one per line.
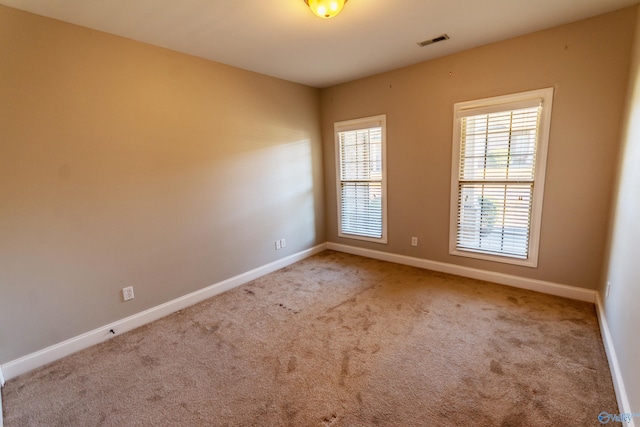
(434,40)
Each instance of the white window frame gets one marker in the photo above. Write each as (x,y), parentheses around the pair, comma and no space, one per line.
(496,104)
(362,124)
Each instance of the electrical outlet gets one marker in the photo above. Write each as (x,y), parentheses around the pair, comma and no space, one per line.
(278,245)
(127,293)
(283,243)
(608,289)
(414,241)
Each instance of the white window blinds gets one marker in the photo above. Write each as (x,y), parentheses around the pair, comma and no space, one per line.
(496,177)
(361,187)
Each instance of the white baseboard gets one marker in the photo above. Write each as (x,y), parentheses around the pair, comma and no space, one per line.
(474,273)
(40,358)
(618,383)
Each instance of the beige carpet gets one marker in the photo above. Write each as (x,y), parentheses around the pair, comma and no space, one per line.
(337,340)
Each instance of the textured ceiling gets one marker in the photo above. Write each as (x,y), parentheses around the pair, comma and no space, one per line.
(282,38)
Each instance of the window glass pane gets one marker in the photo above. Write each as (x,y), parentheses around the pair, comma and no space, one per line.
(361,154)
(362,208)
(499,146)
(495,218)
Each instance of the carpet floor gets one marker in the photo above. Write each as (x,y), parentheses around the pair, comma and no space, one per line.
(337,340)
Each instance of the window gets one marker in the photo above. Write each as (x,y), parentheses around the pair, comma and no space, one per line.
(361,182)
(499,157)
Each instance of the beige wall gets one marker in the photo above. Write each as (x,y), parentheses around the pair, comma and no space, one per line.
(125,164)
(622,307)
(586,62)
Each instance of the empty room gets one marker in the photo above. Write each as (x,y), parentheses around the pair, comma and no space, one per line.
(319,213)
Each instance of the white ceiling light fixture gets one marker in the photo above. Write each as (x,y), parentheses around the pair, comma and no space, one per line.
(325,9)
